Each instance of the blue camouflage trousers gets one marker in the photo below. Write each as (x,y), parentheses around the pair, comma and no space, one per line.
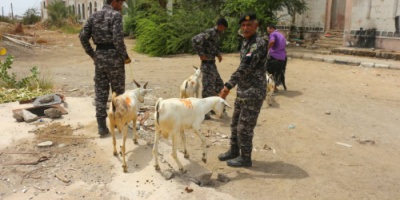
(109,71)
(244,119)
(211,80)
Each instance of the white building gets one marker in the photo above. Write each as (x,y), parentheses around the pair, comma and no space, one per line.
(82,8)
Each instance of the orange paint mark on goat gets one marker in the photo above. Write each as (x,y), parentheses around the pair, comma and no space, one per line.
(186,103)
(128,101)
(193,83)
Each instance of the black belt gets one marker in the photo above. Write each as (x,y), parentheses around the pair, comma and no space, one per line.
(208,61)
(105,46)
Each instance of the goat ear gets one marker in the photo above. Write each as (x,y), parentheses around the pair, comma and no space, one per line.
(149,90)
(136,83)
(195,68)
(226,104)
(145,85)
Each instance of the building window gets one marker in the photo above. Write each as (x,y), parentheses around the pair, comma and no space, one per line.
(79,12)
(90,8)
(95,6)
(83,11)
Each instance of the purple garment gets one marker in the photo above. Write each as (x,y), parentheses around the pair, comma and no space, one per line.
(278,50)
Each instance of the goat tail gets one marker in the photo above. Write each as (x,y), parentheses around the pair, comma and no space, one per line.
(157,110)
(112,107)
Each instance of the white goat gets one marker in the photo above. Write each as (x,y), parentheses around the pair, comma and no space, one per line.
(191,86)
(270,88)
(122,111)
(174,115)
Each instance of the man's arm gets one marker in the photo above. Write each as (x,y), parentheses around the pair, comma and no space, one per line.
(271,44)
(118,37)
(198,42)
(271,40)
(85,35)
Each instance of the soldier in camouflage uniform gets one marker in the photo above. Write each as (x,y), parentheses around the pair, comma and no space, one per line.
(251,91)
(206,46)
(105,29)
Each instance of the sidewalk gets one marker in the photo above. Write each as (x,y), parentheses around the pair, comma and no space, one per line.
(327,56)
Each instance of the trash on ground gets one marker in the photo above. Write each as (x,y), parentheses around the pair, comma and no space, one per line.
(344,144)
(292,126)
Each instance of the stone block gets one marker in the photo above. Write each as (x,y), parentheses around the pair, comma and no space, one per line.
(367,64)
(342,62)
(329,60)
(381,66)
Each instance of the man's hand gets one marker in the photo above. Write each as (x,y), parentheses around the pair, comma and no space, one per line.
(203,57)
(224,92)
(219,58)
(127,61)
(93,58)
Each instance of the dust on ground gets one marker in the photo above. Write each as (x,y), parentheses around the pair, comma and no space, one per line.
(325,106)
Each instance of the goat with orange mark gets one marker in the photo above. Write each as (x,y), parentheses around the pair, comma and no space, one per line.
(191,86)
(174,115)
(122,111)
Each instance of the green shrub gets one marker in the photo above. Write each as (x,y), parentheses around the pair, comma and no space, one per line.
(26,88)
(31,16)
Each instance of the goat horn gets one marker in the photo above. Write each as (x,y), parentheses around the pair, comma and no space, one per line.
(195,67)
(137,84)
(145,85)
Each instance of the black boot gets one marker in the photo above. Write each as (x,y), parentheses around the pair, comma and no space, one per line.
(241,161)
(233,152)
(102,127)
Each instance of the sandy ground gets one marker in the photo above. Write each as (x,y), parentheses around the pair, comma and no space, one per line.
(326,103)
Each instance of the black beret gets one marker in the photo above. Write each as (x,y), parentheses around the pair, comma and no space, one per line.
(247,17)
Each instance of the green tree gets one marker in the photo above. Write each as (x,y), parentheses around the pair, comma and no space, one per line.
(160,31)
(57,12)
(31,16)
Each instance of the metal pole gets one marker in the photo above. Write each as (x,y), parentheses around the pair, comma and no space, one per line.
(12,12)
(2,11)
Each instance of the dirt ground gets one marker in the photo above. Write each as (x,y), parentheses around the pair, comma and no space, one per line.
(326,103)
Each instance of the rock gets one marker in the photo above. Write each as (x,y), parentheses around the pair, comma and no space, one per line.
(53,113)
(203,178)
(292,126)
(28,116)
(18,116)
(62,145)
(223,178)
(327,112)
(372,142)
(168,174)
(46,99)
(45,144)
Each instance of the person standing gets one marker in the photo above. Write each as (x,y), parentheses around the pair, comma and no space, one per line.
(251,91)
(105,29)
(276,63)
(206,46)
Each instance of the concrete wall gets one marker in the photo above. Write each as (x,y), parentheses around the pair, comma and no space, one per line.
(313,17)
(377,14)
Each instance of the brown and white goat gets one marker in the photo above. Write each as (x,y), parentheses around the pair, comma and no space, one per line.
(122,111)
(174,115)
(191,86)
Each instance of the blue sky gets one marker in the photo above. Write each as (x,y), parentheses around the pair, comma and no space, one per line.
(19,6)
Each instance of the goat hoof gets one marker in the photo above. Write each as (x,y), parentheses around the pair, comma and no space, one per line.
(157,167)
(115,153)
(135,141)
(186,155)
(125,168)
(204,160)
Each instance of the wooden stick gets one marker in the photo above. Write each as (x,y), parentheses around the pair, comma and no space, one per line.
(62,179)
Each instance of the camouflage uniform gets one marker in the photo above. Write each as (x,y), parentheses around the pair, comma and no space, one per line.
(251,92)
(105,28)
(206,43)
